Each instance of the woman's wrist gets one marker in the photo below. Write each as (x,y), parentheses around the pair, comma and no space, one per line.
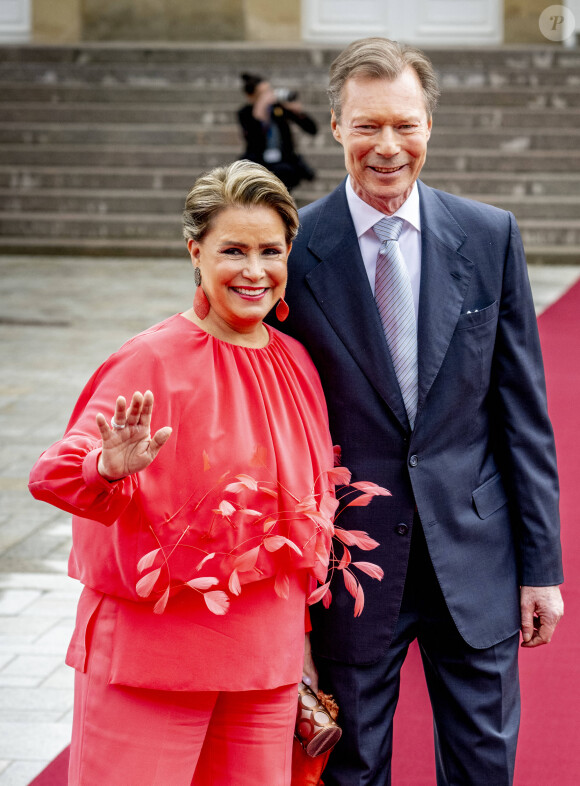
(104,474)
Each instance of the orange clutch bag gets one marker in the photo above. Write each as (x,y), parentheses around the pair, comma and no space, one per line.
(315,734)
(316,729)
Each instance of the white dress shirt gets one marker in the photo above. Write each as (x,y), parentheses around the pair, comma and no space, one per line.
(365,217)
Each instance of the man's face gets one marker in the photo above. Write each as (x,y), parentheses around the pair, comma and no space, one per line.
(384,129)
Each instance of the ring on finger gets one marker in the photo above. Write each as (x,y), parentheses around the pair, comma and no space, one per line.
(117,426)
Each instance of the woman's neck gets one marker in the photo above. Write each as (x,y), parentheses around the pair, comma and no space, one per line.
(256,337)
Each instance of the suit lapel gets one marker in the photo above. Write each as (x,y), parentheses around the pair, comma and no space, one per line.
(445,276)
(340,284)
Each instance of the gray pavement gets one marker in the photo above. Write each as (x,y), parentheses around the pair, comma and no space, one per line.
(59,318)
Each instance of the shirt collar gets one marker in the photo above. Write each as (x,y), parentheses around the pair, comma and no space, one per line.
(364,216)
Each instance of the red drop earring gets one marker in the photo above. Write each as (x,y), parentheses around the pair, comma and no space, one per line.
(200,302)
(282,309)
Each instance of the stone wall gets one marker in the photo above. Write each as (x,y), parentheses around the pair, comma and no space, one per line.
(521,20)
(70,21)
(57,22)
(267,20)
(163,20)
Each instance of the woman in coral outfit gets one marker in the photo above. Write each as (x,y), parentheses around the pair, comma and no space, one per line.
(198,520)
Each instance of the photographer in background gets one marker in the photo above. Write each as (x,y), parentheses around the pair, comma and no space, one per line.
(265,124)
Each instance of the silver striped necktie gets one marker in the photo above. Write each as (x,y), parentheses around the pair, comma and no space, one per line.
(394,299)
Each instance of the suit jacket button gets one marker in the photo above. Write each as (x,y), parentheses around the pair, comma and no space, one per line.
(401,529)
(413,461)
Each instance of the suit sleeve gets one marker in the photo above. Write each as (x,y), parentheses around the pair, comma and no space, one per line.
(522,428)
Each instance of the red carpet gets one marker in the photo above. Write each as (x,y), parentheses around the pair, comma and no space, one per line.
(56,774)
(548,753)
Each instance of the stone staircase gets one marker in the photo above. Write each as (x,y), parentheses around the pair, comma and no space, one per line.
(99,144)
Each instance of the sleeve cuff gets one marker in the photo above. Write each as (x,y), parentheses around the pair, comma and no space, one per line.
(92,477)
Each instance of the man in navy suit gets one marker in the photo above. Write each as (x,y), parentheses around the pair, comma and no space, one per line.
(469,540)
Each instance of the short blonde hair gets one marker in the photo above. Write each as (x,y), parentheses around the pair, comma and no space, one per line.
(380,58)
(241,184)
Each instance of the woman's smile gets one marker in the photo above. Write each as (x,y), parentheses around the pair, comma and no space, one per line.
(250,293)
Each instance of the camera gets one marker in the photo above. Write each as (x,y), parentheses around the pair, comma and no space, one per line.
(284,94)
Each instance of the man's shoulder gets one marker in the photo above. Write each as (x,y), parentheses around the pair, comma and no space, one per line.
(321,213)
(464,208)
(310,213)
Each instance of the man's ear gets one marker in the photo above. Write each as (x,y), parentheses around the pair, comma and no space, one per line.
(429,127)
(335,127)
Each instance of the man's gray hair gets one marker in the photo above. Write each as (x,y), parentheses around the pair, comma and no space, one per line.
(380,58)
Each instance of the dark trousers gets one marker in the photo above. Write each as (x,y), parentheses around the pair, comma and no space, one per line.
(474,695)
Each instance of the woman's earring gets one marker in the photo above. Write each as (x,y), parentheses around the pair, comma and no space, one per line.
(200,301)
(282,309)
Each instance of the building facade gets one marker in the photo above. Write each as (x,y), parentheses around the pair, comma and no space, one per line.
(422,22)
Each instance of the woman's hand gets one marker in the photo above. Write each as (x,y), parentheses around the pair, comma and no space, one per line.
(309,672)
(128,447)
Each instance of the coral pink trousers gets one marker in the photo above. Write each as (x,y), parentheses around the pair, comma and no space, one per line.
(135,737)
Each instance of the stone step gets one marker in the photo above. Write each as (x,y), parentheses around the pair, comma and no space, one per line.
(100,143)
(94,246)
(216,75)
(549,232)
(544,184)
(535,232)
(474,185)
(291,74)
(497,140)
(77,225)
(21,179)
(269,59)
(170,203)
(233,54)
(558,209)
(26,177)
(90,201)
(554,97)
(216,114)
(265,55)
(553,255)
(557,98)
(195,158)
(168,249)
(466,160)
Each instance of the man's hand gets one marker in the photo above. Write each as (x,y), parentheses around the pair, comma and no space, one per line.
(541,609)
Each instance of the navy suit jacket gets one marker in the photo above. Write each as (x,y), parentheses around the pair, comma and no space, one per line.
(479,466)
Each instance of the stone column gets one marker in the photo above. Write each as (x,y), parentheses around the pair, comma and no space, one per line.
(521,19)
(271,21)
(163,20)
(56,22)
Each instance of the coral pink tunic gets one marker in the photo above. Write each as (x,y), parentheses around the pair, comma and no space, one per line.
(229,505)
